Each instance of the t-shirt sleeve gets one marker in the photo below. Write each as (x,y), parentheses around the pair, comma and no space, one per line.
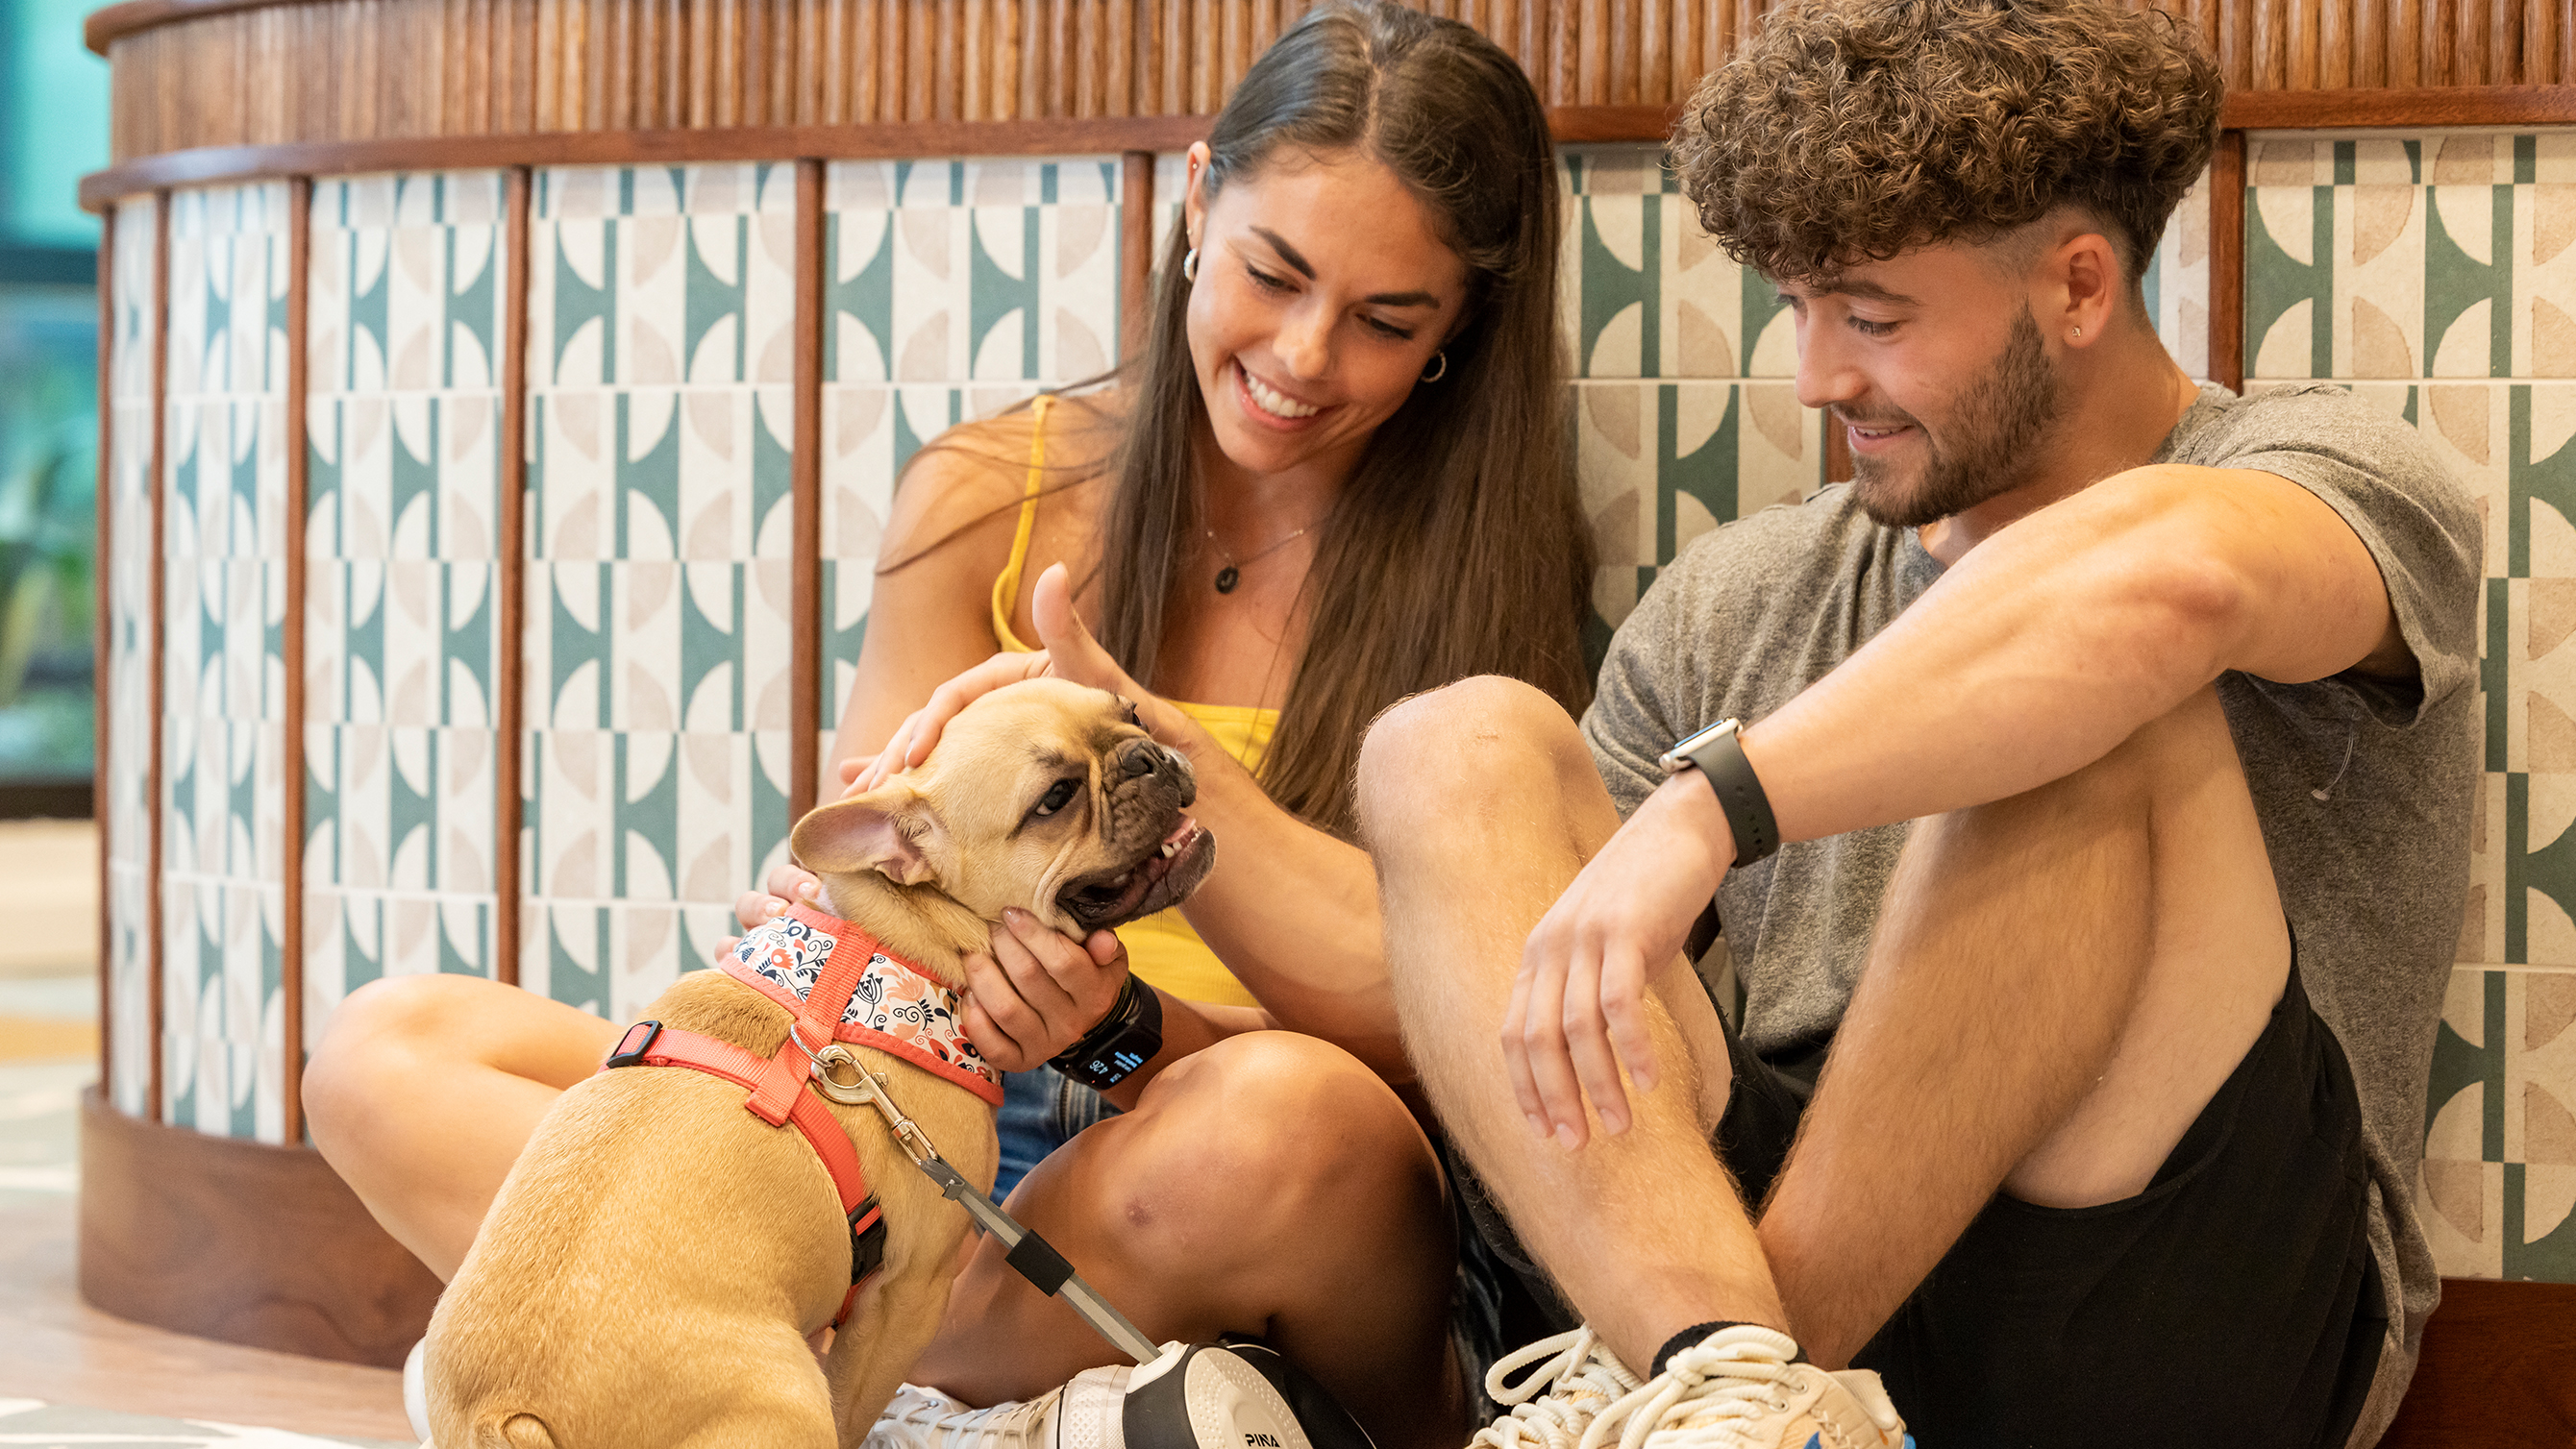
(2419,524)
(1631,719)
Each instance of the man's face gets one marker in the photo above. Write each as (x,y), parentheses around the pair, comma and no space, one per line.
(1932,363)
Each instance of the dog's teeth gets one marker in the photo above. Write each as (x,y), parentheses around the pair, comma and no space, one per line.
(1169,846)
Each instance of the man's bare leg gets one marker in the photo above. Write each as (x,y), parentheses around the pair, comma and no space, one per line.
(2059,983)
(2145,871)
(1480,802)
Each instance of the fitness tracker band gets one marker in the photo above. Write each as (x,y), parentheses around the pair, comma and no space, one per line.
(1718,753)
(1125,1039)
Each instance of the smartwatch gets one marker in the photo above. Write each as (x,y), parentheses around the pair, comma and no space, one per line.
(1125,1039)
(1718,753)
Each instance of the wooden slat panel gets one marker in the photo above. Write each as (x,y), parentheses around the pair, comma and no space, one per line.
(509,712)
(299,270)
(805,498)
(102,646)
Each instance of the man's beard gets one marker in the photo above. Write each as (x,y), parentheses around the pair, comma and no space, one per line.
(1991,431)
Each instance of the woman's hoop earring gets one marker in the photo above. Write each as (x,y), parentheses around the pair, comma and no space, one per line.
(1190,266)
(1440,366)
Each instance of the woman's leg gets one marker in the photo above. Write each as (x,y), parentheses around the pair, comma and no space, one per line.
(424,1090)
(1270,1185)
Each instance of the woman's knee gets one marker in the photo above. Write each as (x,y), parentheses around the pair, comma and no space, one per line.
(1269,1126)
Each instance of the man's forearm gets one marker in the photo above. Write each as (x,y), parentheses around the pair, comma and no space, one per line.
(2059,637)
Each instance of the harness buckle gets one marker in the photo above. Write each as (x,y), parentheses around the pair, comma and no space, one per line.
(630,1051)
(832,1057)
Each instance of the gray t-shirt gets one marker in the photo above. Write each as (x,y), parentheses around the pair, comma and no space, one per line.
(2364,789)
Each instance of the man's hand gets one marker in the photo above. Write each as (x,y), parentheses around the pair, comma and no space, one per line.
(1038,992)
(786,885)
(1577,1012)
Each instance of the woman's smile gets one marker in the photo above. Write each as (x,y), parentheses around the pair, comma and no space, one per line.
(1268,404)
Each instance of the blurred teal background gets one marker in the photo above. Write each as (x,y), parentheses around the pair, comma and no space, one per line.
(53,129)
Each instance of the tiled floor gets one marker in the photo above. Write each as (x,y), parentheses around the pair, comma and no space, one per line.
(53,1346)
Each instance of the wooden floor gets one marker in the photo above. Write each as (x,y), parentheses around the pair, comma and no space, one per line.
(52,1345)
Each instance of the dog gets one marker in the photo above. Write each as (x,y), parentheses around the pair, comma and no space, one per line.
(660,1260)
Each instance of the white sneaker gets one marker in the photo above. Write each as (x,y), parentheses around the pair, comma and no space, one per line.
(1083,1414)
(416,1390)
(1572,1378)
(1737,1389)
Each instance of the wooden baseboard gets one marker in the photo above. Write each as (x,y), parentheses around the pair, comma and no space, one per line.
(2499,1367)
(240,1241)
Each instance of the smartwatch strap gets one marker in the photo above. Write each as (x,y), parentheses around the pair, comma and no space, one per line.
(1739,794)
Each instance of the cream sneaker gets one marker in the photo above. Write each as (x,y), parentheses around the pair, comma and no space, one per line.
(1572,1378)
(1737,1389)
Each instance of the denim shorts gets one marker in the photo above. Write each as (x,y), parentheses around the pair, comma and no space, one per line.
(1041,1111)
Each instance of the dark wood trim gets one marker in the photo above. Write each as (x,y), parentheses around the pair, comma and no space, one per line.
(103,632)
(153,908)
(2227,261)
(510,573)
(290,745)
(2499,1367)
(219,164)
(1838,459)
(805,474)
(2362,109)
(215,164)
(242,1241)
(1135,252)
(112,23)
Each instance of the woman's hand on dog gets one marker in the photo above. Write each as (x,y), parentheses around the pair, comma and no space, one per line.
(1037,993)
(1070,653)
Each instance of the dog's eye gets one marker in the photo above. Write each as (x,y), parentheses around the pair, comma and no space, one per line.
(1132,718)
(1057,797)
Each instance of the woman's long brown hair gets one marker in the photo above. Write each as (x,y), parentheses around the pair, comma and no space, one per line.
(1459,545)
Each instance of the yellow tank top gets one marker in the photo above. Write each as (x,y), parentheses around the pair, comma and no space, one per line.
(1161,948)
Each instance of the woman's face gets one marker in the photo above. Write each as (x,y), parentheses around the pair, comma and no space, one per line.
(1322,294)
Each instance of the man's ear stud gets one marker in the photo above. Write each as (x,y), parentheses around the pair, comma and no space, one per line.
(2079,331)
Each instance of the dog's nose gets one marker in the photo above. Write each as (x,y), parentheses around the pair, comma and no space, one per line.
(1141,758)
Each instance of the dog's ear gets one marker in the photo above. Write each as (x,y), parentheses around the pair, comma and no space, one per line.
(882,830)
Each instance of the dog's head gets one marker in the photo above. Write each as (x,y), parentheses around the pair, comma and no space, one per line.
(1044,795)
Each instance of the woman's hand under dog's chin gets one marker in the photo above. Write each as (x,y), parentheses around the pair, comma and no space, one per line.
(1038,992)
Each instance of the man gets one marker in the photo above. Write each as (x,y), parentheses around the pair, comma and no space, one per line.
(2123,1049)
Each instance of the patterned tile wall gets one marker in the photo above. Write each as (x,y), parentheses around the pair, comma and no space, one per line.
(954,289)
(403,466)
(2435,271)
(225,682)
(129,663)
(660,365)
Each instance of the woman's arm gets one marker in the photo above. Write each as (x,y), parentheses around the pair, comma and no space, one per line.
(1299,928)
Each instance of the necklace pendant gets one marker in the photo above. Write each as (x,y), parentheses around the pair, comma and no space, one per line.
(1227,578)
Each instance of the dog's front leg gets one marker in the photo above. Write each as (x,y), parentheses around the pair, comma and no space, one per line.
(888,1328)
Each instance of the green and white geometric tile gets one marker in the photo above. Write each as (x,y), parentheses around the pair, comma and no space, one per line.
(2176,282)
(955,290)
(224,678)
(2431,255)
(1661,463)
(658,642)
(2500,1143)
(1645,292)
(124,773)
(401,604)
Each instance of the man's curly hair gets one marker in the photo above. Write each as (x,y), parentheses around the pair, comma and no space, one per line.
(1852,130)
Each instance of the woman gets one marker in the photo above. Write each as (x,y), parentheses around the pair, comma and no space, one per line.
(1339,480)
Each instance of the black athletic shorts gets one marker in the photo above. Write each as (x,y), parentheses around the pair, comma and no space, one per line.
(2235,1301)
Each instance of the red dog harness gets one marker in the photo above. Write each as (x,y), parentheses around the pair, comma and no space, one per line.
(842,986)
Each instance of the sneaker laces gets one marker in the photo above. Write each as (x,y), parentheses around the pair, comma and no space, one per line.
(1701,1388)
(1576,1373)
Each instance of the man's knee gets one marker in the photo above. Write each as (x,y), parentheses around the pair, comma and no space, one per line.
(1427,752)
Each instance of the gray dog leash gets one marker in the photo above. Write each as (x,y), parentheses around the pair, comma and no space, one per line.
(1031,1256)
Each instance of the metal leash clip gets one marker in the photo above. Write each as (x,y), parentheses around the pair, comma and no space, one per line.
(1030,1255)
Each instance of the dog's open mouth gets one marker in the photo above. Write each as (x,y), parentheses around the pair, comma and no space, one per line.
(1166,874)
